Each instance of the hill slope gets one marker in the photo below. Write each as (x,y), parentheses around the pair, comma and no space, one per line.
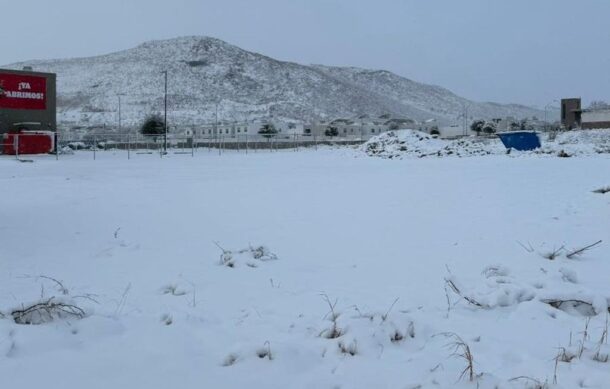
(246,85)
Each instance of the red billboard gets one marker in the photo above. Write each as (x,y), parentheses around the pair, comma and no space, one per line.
(23,91)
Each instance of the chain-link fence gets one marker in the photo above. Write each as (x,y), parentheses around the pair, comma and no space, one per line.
(19,144)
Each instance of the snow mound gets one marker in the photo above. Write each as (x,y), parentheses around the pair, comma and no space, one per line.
(248,256)
(579,142)
(411,143)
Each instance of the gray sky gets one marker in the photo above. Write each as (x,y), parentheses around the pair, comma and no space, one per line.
(526,51)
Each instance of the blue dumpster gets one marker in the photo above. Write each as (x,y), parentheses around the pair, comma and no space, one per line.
(520,140)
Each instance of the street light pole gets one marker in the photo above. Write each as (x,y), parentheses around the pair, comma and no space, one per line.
(216,117)
(546,107)
(165,114)
(464,119)
(119,96)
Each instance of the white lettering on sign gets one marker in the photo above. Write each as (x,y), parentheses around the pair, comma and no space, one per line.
(25,95)
(24,86)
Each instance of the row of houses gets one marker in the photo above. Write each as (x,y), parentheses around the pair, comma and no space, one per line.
(347,128)
(336,127)
(365,127)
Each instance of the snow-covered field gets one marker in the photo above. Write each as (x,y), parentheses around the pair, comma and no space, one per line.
(357,287)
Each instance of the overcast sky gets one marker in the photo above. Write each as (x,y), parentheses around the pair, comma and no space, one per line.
(526,51)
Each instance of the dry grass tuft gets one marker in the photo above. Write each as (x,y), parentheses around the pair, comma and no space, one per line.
(350,349)
(47,311)
(603,190)
(265,351)
(334,331)
(462,350)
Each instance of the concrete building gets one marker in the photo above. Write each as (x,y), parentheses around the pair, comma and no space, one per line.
(508,123)
(27,100)
(573,116)
(598,118)
(453,131)
(570,112)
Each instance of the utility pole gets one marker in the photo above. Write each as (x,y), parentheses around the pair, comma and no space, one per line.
(119,96)
(546,107)
(464,117)
(216,118)
(165,115)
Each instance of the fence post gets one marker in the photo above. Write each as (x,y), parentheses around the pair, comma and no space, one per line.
(56,145)
(128,147)
(192,146)
(16,145)
(94,146)
(246,143)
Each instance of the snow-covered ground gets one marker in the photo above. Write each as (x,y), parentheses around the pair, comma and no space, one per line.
(357,286)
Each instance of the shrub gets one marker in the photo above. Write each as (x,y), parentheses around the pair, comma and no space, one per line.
(477,126)
(267,130)
(489,127)
(153,125)
(332,131)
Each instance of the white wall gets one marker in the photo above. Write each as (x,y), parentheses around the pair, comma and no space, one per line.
(596,116)
(452,131)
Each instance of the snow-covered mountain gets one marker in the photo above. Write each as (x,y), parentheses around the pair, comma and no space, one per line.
(206,73)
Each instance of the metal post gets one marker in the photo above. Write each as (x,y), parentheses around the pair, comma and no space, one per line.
(546,107)
(128,147)
(94,146)
(56,145)
(216,119)
(246,143)
(546,125)
(119,113)
(16,146)
(165,115)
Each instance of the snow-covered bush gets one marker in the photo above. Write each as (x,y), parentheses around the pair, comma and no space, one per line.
(46,311)
(250,256)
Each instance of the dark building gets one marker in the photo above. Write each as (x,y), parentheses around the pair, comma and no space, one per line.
(27,100)
(570,113)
